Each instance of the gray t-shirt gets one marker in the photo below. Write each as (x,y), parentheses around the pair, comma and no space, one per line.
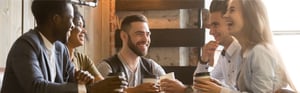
(134,78)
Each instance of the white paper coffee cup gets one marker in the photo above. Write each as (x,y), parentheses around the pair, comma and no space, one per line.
(201,76)
(150,79)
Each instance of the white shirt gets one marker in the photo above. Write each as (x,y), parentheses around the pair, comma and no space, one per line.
(260,71)
(227,67)
(51,56)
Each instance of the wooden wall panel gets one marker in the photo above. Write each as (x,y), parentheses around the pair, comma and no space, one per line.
(11,23)
(99,30)
(10,26)
(28,20)
(138,5)
(172,38)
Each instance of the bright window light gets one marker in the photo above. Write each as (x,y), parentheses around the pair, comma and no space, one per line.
(283,14)
(284,21)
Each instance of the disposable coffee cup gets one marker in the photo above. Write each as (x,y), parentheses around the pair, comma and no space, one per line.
(168,76)
(201,76)
(120,75)
(150,79)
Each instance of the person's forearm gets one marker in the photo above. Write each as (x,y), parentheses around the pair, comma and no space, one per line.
(130,90)
(82,88)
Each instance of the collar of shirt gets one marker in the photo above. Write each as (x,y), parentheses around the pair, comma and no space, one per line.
(125,63)
(133,78)
(233,47)
(48,44)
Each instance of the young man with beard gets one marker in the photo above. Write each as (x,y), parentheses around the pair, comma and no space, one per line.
(135,36)
(38,61)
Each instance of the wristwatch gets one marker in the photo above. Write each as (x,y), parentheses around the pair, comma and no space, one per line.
(188,89)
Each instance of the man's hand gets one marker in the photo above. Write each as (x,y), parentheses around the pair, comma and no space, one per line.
(109,85)
(207,86)
(209,52)
(172,86)
(144,88)
(84,77)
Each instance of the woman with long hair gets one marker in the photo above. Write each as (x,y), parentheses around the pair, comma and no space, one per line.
(262,69)
(76,39)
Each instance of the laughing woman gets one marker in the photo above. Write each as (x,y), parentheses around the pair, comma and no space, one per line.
(262,69)
(77,38)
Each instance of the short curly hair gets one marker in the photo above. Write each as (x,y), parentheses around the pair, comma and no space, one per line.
(43,9)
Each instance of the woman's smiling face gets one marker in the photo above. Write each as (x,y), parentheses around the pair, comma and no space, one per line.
(234,16)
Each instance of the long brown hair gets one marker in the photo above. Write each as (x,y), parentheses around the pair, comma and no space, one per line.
(256,30)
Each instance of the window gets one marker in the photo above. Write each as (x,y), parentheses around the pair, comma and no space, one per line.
(284,22)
